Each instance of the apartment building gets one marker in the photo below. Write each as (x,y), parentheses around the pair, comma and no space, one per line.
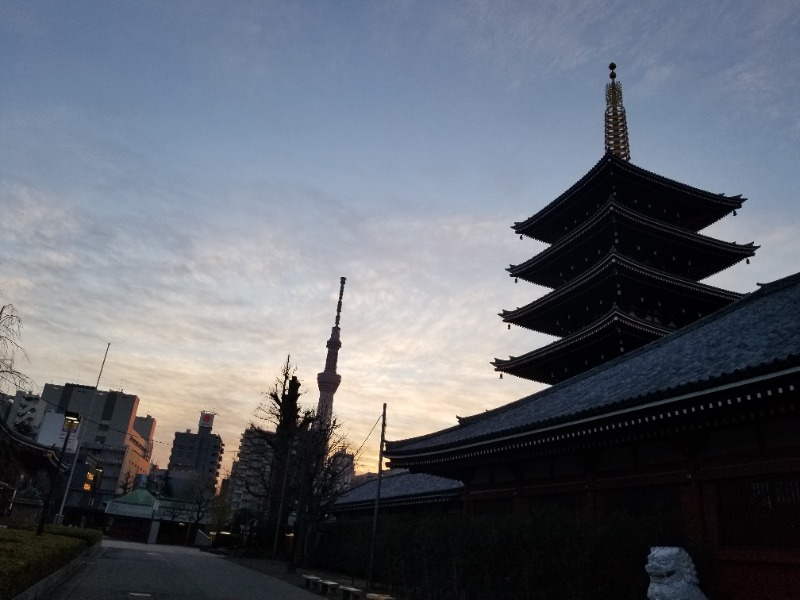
(195,459)
(110,437)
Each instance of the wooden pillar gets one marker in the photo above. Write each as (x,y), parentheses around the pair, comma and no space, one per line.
(589,460)
(518,502)
(466,502)
(692,508)
(691,446)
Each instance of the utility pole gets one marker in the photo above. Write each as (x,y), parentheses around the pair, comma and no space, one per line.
(377,501)
(60,515)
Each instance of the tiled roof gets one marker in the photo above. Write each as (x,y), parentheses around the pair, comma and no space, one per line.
(612,262)
(761,331)
(139,496)
(398,484)
(138,504)
(719,204)
(716,255)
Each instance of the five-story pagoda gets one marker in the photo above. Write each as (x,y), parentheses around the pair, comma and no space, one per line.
(625,261)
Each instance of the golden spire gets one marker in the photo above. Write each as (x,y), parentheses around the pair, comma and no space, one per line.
(616,124)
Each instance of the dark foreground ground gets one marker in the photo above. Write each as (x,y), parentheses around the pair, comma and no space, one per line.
(280,570)
(120,569)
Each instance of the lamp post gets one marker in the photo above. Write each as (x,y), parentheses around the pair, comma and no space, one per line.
(71,421)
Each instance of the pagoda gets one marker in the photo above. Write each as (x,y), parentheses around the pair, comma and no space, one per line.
(624,262)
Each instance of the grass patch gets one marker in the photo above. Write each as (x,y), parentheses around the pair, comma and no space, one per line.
(26,559)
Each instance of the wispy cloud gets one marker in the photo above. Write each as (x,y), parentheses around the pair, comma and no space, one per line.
(189,182)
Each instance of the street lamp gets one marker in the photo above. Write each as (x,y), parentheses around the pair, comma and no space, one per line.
(71,422)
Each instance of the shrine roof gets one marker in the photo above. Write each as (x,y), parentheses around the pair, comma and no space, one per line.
(139,496)
(758,334)
(399,484)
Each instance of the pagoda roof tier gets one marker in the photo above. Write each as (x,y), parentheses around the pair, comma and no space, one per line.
(610,336)
(668,200)
(670,301)
(649,241)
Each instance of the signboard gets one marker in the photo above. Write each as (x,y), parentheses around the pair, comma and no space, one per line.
(206,419)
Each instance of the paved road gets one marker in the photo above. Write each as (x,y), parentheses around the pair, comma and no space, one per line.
(130,571)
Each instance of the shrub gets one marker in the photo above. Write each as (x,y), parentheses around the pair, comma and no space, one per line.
(89,536)
(26,558)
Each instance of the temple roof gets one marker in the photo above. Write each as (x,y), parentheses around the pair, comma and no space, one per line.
(606,338)
(661,242)
(399,486)
(548,313)
(755,337)
(673,202)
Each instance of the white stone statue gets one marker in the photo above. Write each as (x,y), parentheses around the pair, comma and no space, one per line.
(672,575)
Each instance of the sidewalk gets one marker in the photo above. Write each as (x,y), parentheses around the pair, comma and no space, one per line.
(279,570)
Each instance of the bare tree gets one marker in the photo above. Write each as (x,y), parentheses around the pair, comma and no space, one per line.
(285,421)
(173,509)
(199,505)
(281,407)
(200,501)
(10,333)
(326,460)
(308,460)
(220,513)
(127,482)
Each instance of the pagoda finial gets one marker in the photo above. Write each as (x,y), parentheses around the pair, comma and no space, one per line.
(616,124)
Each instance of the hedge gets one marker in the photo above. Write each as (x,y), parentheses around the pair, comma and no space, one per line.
(25,558)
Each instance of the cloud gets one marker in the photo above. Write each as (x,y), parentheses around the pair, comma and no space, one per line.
(196,205)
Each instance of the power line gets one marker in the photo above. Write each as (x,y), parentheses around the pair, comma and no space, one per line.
(369,434)
(89,420)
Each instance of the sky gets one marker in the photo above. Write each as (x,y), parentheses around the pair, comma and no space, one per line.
(188,180)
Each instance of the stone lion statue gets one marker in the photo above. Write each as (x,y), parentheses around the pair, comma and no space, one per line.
(672,575)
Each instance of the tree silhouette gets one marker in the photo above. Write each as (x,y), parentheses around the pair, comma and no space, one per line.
(308,461)
(10,333)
